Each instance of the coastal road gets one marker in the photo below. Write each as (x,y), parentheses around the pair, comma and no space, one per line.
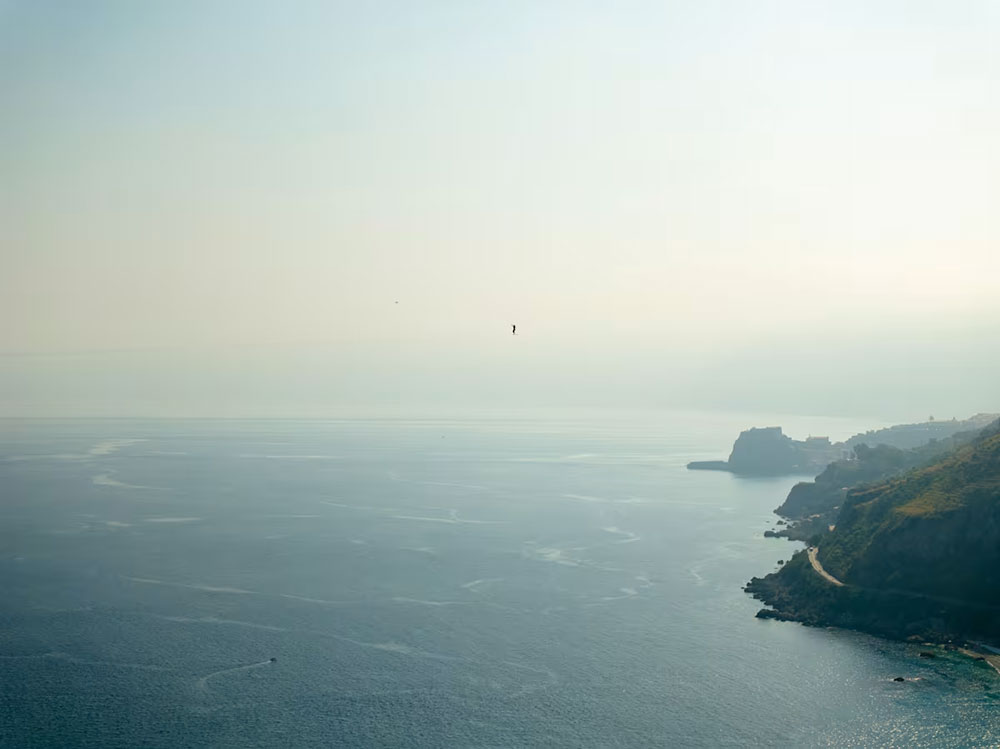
(819,567)
(816,565)
(989,654)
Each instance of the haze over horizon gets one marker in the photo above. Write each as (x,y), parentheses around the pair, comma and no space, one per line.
(214,208)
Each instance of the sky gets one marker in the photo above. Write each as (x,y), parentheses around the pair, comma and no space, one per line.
(314,208)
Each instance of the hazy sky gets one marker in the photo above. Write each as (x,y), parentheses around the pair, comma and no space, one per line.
(213,207)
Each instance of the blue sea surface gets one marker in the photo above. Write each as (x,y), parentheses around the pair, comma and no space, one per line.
(476,582)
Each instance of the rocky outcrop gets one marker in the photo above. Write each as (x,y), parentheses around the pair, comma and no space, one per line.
(708,465)
(767,451)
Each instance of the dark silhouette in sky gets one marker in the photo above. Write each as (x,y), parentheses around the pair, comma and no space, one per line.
(513,330)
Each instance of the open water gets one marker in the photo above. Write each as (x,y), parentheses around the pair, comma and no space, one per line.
(426,583)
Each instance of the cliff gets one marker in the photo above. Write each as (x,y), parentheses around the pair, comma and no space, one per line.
(919,554)
(767,451)
(867,465)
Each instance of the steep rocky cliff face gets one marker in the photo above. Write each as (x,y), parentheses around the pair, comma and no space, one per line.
(919,553)
(867,465)
(767,451)
(763,450)
(934,531)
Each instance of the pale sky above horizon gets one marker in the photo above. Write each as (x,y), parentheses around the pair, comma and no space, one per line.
(202,185)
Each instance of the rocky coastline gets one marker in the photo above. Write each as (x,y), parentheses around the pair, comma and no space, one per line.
(908,518)
(916,548)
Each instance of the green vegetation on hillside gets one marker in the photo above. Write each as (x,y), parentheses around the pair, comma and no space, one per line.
(934,531)
(868,465)
(919,552)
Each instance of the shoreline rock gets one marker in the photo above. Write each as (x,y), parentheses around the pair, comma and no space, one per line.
(768,451)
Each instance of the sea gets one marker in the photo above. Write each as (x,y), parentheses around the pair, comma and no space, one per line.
(497,580)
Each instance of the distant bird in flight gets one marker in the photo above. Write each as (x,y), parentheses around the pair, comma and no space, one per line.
(513,330)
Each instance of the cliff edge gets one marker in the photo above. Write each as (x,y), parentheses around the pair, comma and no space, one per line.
(919,554)
(768,451)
